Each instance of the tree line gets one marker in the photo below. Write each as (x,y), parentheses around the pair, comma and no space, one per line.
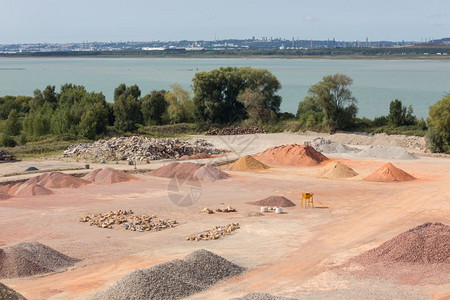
(224,96)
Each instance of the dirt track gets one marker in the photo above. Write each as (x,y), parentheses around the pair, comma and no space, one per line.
(293,254)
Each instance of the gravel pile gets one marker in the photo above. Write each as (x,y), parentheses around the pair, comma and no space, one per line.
(188,171)
(274,201)
(108,175)
(7,293)
(28,259)
(291,155)
(210,173)
(175,279)
(387,152)
(140,148)
(235,131)
(336,170)
(327,146)
(261,296)
(389,173)
(248,163)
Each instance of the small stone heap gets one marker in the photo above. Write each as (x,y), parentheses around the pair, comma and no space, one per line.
(140,148)
(227,209)
(216,233)
(128,220)
(235,131)
(6,156)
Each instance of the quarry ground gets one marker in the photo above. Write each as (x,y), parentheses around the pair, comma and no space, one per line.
(295,254)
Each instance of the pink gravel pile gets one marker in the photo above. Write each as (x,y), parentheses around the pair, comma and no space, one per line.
(189,171)
(109,175)
(274,201)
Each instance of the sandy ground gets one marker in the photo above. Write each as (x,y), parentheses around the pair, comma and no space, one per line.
(293,254)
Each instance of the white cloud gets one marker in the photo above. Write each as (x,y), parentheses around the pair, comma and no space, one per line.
(310,19)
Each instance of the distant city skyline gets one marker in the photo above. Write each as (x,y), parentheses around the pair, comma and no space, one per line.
(61,21)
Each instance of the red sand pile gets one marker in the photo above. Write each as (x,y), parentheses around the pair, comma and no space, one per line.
(274,201)
(26,189)
(389,173)
(337,169)
(57,180)
(189,171)
(419,255)
(209,173)
(108,175)
(28,259)
(248,163)
(291,155)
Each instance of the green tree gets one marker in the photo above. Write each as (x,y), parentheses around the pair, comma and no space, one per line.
(333,96)
(181,107)
(400,115)
(127,113)
(259,95)
(439,125)
(154,107)
(216,95)
(12,126)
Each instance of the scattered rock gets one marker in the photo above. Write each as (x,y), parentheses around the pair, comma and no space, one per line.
(139,148)
(128,221)
(215,233)
(235,131)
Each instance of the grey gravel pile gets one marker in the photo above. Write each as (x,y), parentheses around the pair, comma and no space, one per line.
(387,152)
(327,146)
(260,296)
(7,293)
(140,148)
(28,259)
(176,279)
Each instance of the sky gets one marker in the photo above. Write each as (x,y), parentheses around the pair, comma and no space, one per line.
(32,21)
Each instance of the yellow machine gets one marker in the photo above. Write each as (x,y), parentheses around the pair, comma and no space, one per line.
(307,199)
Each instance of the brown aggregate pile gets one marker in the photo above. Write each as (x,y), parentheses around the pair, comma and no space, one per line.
(7,293)
(248,163)
(188,171)
(57,180)
(389,173)
(26,189)
(419,255)
(28,259)
(291,155)
(201,155)
(337,169)
(109,175)
(274,201)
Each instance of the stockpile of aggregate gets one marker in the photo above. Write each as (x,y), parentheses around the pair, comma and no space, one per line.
(387,152)
(389,173)
(140,148)
(274,201)
(201,155)
(56,180)
(235,131)
(418,256)
(29,189)
(4,196)
(7,293)
(109,175)
(261,296)
(28,259)
(291,155)
(327,146)
(175,279)
(335,170)
(248,163)
(188,171)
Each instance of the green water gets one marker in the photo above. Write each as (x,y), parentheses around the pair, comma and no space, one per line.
(376,82)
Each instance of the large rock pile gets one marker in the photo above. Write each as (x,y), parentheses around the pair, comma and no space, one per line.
(172,280)
(235,130)
(6,156)
(140,148)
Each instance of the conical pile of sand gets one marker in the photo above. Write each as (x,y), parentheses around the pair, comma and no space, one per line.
(57,180)
(389,173)
(291,155)
(428,243)
(179,170)
(7,293)
(210,173)
(336,169)
(248,163)
(108,175)
(274,201)
(28,259)
(29,189)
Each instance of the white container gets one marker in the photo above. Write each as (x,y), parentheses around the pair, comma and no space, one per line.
(279,210)
(264,209)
